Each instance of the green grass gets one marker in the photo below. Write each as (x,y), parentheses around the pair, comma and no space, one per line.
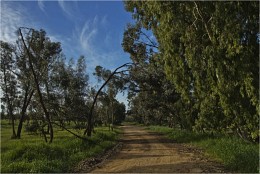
(236,154)
(31,154)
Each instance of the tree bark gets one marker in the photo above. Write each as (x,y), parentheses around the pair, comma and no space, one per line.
(112,116)
(14,134)
(24,108)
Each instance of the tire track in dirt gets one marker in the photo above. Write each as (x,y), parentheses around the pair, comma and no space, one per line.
(146,152)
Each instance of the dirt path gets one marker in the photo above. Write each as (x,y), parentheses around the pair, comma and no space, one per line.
(146,152)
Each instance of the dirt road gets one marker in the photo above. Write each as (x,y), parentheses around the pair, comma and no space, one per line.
(146,152)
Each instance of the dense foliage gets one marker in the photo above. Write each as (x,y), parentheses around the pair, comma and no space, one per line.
(204,60)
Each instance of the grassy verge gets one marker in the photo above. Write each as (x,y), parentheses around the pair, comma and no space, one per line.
(32,155)
(236,154)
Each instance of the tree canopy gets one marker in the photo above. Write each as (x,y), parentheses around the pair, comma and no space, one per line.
(209,51)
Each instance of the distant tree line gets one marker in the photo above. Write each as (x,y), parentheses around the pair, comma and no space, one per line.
(201,72)
(41,87)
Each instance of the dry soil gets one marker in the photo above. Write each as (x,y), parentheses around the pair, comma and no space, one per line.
(147,152)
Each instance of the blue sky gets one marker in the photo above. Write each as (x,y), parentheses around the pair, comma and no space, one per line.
(90,28)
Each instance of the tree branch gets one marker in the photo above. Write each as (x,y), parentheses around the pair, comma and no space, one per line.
(121,71)
(152,43)
(205,24)
(78,136)
(147,44)
(89,127)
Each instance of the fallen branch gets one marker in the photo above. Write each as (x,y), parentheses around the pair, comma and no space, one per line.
(78,136)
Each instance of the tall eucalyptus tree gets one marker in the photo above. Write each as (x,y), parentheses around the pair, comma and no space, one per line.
(210,52)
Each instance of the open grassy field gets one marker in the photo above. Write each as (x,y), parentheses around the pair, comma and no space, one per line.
(236,154)
(32,154)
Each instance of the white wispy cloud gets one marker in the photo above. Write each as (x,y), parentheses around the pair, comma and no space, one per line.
(11,20)
(15,15)
(41,5)
(86,36)
(68,8)
(90,38)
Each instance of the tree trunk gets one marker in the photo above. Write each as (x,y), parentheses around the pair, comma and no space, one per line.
(107,115)
(24,108)
(20,126)
(44,135)
(112,116)
(13,128)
